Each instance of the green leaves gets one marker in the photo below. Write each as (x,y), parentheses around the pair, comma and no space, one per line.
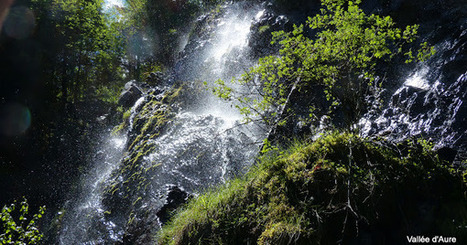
(222,91)
(21,231)
(84,45)
(341,57)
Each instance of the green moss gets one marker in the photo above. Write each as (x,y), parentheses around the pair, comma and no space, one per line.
(130,181)
(328,191)
(125,121)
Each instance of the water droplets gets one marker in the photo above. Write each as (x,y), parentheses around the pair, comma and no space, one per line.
(197,150)
(259,14)
(203,144)
(84,221)
(230,37)
(426,104)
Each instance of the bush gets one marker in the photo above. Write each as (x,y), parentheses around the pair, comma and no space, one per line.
(21,231)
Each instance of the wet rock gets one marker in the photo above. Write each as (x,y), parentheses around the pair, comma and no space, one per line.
(158,92)
(145,86)
(130,95)
(260,36)
(103,119)
(175,198)
(141,229)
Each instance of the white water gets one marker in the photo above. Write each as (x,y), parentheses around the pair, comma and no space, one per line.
(427,104)
(418,79)
(86,215)
(203,146)
(208,144)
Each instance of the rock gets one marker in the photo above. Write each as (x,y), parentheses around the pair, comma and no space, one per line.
(130,84)
(130,95)
(145,86)
(103,119)
(141,228)
(175,198)
(260,37)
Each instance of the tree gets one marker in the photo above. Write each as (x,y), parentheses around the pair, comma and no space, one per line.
(341,59)
(86,47)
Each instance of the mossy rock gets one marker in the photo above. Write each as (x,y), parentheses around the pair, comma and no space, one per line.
(129,183)
(338,189)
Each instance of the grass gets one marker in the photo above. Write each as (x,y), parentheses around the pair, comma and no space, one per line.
(340,188)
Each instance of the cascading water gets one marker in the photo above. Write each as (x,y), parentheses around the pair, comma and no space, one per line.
(430,102)
(87,214)
(200,146)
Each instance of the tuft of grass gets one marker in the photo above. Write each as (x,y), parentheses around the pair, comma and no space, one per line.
(125,121)
(339,189)
(263,28)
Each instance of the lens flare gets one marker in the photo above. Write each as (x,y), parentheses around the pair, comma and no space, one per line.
(15,119)
(20,22)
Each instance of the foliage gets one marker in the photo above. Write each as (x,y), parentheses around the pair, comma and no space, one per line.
(83,46)
(21,231)
(70,58)
(339,189)
(341,60)
(109,94)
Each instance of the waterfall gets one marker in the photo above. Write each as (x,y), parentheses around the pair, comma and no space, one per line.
(201,146)
(429,103)
(86,214)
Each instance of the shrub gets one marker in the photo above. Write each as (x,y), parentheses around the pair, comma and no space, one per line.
(21,231)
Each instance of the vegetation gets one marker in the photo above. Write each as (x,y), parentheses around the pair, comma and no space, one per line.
(66,71)
(339,60)
(22,231)
(339,189)
(83,46)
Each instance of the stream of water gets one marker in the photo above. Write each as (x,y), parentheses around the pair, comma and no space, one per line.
(86,215)
(430,103)
(203,146)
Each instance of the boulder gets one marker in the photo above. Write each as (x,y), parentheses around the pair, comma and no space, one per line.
(130,95)
(447,154)
(175,198)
